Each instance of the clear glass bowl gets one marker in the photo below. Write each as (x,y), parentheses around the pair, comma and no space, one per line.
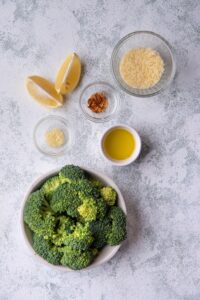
(46,124)
(110,93)
(144,39)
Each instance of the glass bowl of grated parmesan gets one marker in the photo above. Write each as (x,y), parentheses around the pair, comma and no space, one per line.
(143,63)
(52,135)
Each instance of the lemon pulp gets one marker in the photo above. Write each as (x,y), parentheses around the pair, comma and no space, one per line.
(119,144)
(69,74)
(43,91)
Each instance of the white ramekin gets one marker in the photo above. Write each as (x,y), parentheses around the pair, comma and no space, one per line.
(135,153)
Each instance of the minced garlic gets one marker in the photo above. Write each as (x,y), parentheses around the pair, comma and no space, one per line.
(141,68)
(55,137)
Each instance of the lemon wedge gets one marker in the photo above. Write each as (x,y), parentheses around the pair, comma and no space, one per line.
(43,91)
(69,74)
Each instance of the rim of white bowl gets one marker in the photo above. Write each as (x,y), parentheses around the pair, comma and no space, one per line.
(135,154)
(39,181)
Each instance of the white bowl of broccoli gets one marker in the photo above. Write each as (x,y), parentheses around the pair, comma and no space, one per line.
(74,218)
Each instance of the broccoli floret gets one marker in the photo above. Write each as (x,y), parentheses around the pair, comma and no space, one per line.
(118,226)
(101,208)
(65,226)
(88,209)
(65,199)
(38,215)
(81,238)
(97,183)
(46,249)
(91,209)
(95,251)
(76,259)
(50,186)
(109,195)
(100,230)
(71,173)
(86,187)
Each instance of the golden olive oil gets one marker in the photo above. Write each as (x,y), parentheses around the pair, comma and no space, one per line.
(119,144)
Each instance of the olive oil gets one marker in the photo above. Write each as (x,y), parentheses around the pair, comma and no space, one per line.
(119,144)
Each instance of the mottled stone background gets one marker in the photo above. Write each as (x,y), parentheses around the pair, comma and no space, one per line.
(161,258)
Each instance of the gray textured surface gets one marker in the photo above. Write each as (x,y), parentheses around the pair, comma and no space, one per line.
(161,259)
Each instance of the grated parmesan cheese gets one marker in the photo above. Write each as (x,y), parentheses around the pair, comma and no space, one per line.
(141,68)
(55,137)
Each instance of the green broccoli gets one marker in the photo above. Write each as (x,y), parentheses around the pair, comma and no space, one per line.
(88,208)
(97,183)
(46,249)
(109,195)
(81,238)
(50,186)
(117,232)
(91,209)
(101,208)
(65,226)
(71,173)
(86,187)
(38,215)
(76,259)
(100,230)
(65,199)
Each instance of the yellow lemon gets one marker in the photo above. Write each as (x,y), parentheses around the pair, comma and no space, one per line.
(69,74)
(43,91)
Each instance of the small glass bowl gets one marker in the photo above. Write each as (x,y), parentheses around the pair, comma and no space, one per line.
(46,124)
(144,39)
(111,95)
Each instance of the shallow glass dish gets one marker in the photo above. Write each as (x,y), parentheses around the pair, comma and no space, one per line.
(46,124)
(144,39)
(110,93)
